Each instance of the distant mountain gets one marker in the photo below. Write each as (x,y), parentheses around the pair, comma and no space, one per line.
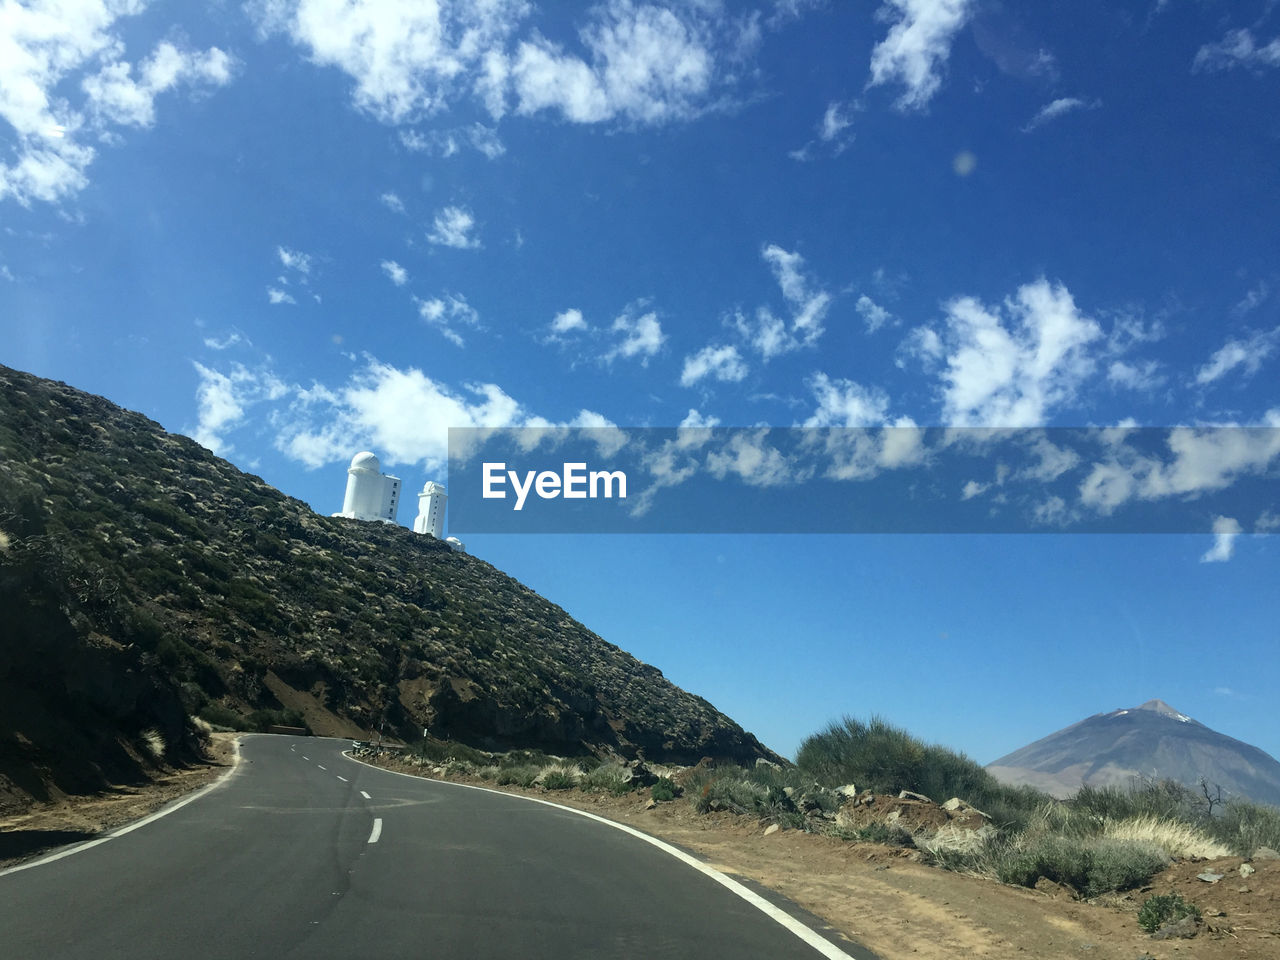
(143,579)
(1153,740)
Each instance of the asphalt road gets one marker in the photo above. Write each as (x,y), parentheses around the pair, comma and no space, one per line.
(305,853)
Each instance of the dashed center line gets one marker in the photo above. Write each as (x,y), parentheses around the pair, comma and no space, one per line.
(343,779)
(321,767)
(365,795)
(377,830)
(306,758)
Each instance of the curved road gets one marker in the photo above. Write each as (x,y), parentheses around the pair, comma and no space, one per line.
(305,853)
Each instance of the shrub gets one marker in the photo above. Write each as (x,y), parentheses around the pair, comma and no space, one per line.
(1091,867)
(611,777)
(522,776)
(1177,838)
(1156,911)
(559,778)
(221,716)
(154,742)
(1244,827)
(664,790)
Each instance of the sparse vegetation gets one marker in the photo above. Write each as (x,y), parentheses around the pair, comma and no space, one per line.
(1158,910)
(664,790)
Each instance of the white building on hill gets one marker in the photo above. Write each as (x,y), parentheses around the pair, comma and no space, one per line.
(371,494)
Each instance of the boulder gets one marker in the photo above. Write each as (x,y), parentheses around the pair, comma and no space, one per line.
(909,795)
(1265,853)
(1246,869)
(1186,928)
(848,791)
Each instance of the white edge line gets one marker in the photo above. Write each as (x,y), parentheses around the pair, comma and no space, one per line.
(162,812)
(377,830)
(365,795)
(820,944)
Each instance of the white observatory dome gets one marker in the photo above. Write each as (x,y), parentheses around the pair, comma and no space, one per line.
(365,462)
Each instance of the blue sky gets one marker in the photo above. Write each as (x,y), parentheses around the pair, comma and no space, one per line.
(295,230)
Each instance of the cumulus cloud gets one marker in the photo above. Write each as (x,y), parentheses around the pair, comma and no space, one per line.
(917,46)
(294,260)
(223,398)
(392,202)
(276,296)
(446,312)
(769,334)
(1057,108)
(566,322)
(844,403)
(639,62)
(452,228)
(1144,377)
(44,49)
(1225,531)
(395,273)
(1237,48)
(1248,353)
(873,315)
(1010,366)
(227,342)
(640,336)
(722,363)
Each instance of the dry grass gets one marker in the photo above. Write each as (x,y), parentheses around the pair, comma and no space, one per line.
(1178,839)
(154,743)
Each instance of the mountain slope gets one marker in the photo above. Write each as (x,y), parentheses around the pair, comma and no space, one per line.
(241,598)
(1152,740)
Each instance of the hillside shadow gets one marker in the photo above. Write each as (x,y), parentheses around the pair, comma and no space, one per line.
(24,843)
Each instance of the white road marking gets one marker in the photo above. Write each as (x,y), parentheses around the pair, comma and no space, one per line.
(322,768)
(306,758)
(343,779)
(365,795)
(820,944)
(135,825)
(377,830)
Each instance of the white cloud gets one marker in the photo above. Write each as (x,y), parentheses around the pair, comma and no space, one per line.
(1142,377)
(722,363)
(222,398)
(115,96)
(44,48)
(1225,531)
(275,295)
(973,489)
(294,260)
(768,333)
(1014,373)
(401,413)
(844,403)
(395,273)
(230,340)
(694,420)
(1202,460)
(1237,48)
(392,202)
(1239,353)
(485,139)
(642,335)
(452,228)
(873,315)
(407,58)
(1253,298)
(567,321)
(1056,109)
(917,46)
(444,312)
(641,62)
(834,122)
(748,456)
(648,64)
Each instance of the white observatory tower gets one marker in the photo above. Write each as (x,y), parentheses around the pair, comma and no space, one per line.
(431,510)
(371,495)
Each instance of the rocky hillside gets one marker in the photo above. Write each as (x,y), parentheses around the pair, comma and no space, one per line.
(156,570)
(1152,740)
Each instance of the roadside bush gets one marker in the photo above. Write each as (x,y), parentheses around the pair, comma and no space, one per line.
(521,776)
(1156,911)
(1177,838)
(1244,827)
(891,835)
(1090,867)
(559,778)
(611,777)
(221,716)
(664,790)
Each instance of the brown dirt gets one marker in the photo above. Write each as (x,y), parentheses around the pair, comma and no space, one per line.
(899,908)
(72,819)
